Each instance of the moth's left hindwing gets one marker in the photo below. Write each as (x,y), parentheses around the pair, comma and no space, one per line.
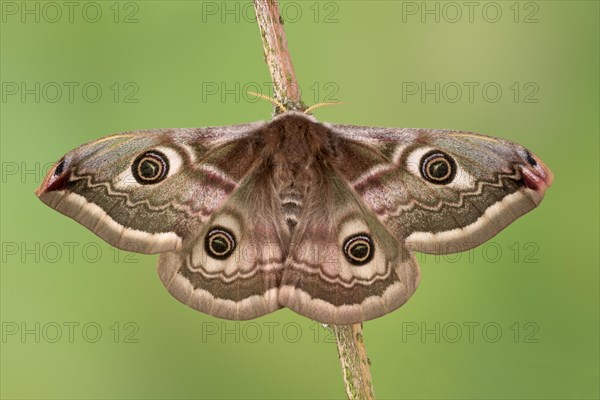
(232,268)
(149,191)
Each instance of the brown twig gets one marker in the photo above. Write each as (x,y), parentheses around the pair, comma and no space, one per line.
(356,366)
(349,338)
(277,56)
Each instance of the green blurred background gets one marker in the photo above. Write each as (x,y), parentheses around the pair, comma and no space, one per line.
(515,318)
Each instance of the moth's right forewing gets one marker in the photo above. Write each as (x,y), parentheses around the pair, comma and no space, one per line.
(490,182)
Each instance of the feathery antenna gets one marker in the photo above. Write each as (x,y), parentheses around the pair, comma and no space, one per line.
(318,105)
(269,99)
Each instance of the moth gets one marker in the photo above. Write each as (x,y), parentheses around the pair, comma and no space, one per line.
(320,218)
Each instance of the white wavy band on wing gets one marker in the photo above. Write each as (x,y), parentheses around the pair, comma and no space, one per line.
(202,300)
(98,221)
(493,220)
(320,310)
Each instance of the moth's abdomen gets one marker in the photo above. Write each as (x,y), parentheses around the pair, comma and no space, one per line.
(291,203)
(295,147)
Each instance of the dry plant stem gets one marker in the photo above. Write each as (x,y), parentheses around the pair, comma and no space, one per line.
(356,365)
(277,56)
(349,338)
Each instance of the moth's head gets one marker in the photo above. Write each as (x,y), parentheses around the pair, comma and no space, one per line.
(298,116)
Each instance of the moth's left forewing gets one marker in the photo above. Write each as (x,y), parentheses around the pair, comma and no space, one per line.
(148,191)
(440,191)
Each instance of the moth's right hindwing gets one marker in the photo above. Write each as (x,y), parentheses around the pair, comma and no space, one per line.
(344,266)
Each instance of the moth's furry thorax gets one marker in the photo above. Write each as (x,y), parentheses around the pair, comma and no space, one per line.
(293,143)
(296,138)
